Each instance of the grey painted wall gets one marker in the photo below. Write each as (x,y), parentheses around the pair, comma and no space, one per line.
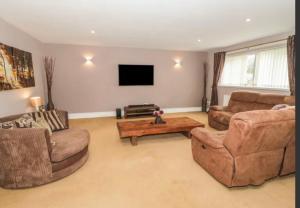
(17,101)
(93,87)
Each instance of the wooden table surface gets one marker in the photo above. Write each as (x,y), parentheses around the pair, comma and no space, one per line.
(134,129)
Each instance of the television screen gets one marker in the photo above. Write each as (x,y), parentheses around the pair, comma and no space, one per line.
(136,75)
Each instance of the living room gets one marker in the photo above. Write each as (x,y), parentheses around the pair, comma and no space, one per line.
(147,103)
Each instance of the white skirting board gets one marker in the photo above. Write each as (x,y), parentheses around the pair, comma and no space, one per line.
(113,113)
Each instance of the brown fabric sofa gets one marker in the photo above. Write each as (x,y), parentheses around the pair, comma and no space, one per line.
(259,145)
(240,101)
(27,157)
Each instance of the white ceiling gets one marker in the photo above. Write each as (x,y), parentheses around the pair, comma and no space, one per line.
(159,24)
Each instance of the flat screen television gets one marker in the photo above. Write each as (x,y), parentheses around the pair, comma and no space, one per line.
(136,75)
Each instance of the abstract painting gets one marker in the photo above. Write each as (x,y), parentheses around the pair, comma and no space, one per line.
(16,68)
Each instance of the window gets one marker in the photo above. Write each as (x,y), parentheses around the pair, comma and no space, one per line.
(263,68)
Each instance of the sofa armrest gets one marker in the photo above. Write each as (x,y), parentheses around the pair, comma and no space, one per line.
(208,151)
(218,108)
(25,157)
(212,139)
(64,117)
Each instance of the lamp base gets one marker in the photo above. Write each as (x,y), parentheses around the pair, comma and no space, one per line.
(40,108)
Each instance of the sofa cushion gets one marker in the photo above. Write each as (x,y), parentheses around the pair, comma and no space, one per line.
(52,119)
(7,125)
(244,96)
(290,100)
(240,106)
(279,106)
(24,121)
(221,116)
(57,166)
(271,99)
(68,142)
(41,123)
(241,101)
(262,106)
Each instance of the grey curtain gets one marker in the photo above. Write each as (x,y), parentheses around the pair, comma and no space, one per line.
(291,57)
(219,60)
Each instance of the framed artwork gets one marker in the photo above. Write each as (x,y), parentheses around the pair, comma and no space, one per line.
(16,68)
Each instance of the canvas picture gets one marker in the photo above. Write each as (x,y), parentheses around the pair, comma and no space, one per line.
(16,68)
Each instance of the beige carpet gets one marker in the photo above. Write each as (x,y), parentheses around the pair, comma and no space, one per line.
(159,172)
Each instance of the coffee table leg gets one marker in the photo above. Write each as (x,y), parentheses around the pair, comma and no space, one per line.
(133,141)
(187,134)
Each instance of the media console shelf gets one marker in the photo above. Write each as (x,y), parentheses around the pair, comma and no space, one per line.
(139,110)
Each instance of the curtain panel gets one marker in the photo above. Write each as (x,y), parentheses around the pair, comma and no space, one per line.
(291,56)
(219,60)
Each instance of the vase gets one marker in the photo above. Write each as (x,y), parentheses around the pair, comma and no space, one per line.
(204,104)
(159,120)
(50,105)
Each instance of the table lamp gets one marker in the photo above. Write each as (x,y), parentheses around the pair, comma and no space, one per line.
(36,102)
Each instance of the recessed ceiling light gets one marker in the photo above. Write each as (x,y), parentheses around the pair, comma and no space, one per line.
(93,32)
(248,20)
(199,40)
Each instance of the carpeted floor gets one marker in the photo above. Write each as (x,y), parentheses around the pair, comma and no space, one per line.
(159,172)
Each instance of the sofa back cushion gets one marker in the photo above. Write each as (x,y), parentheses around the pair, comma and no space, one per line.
(261,130)
(270,99)
(240,106)
(244,96)
(241,101)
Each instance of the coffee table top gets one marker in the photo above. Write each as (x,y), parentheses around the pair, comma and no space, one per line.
(147,127)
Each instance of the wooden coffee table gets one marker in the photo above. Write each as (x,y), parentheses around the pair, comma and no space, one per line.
(135,129)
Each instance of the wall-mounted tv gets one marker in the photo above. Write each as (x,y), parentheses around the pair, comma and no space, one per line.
(136,75)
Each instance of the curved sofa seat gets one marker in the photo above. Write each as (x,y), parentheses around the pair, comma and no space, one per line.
(68,143)
(30,157)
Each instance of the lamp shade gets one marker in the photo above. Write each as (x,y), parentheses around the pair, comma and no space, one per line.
(36,101)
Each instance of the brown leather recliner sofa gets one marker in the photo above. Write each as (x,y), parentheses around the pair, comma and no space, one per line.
(28,159)
(259,145)
(240,101)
